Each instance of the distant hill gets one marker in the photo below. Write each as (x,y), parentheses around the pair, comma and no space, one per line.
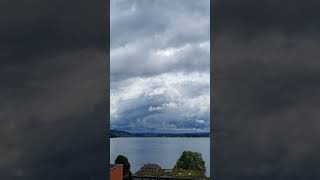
(120,133)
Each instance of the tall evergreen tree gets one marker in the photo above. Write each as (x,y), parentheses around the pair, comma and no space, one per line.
(127,175)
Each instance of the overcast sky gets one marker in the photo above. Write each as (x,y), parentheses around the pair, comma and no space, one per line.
(267,90)
(52,90)
(160,75)
(53,84)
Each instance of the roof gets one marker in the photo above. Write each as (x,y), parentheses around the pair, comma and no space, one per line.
(152,165)
(113,166)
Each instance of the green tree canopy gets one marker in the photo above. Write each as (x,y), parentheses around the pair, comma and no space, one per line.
(126,166)
(191,161)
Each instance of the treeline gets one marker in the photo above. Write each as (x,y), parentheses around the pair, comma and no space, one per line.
(189,164)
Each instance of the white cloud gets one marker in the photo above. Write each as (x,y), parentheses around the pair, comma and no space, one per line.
(200,121)
(184,96)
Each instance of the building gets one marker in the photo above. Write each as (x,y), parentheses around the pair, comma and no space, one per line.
(155,172)
(116,172)
(150,170)
(135,177)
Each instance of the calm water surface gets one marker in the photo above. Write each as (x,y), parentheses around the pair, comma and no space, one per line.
(162,151)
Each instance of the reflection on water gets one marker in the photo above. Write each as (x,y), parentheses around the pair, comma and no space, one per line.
(162,151)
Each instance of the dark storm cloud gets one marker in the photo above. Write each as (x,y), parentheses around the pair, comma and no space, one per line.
(52,76)
(256,17)
(266,89)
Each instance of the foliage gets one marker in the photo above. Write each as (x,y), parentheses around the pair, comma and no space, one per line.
(187,173)
(191,164)
(126,166)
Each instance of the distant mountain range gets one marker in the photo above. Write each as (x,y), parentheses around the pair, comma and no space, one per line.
(120,133)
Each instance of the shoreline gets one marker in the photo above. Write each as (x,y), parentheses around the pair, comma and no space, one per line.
(158,137)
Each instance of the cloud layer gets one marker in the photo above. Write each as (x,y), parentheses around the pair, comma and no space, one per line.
(160,65)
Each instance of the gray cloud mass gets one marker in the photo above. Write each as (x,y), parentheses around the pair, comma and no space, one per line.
(266,73)
(160,75)
(52,90)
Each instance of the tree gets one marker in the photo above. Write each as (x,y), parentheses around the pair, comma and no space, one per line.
(191,161)
(127,175)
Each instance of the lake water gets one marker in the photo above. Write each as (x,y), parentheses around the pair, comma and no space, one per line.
(162,151)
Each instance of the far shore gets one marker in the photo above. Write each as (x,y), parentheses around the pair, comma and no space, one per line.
(121,133)
(161,137)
